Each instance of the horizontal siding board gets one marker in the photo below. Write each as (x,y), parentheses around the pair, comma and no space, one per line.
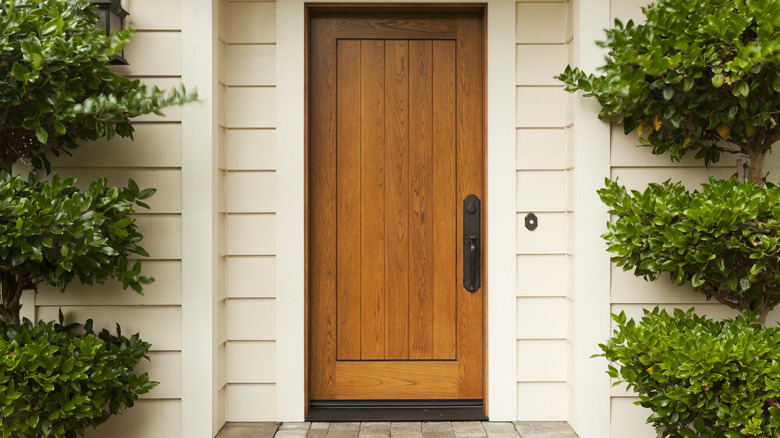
(251,319)
(251,234)
(625,10)
(537,64)
(542,361)
(222,365)
(222,321)
(627,151)
(542,275)
(158,325)
(637,178)
(541,318)
(152,54)
(222,62)
(629,420)
(222,105)
(549,237)
(251,192)
(165,290)
(155,15)
(251,276)
(628,288)
(542,190)
(162,235)
(251,402)
(251,149)
(541,107)
(541,149)
(163,367)
(251,65)
(541,23)
(251,362)
(154,145)
(542,401)
(170,114)
(251,107)
(148,418)
(253,22)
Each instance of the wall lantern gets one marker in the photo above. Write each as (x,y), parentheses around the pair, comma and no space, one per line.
(111,17)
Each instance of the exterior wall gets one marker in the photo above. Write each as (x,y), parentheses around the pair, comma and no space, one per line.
(249,185)
(153,160)
(544,164)
(635,167)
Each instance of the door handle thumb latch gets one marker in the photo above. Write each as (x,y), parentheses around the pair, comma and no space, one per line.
(472,213)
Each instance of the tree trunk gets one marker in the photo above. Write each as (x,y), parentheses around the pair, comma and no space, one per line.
(757,167)
(11,294)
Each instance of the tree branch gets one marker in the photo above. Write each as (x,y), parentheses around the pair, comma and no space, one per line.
(727,302)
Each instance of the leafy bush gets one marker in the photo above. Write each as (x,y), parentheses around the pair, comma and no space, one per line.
(54,383)
(56,87)
(53,232)
(724,239)
(697,76)
(701,378)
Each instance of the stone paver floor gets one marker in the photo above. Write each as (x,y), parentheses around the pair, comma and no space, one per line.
(455,429)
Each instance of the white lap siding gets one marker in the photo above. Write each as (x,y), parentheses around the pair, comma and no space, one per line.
(544,166)
(152,160)
(249,84)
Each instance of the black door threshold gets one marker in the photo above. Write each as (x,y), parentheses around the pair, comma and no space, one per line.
(396,410)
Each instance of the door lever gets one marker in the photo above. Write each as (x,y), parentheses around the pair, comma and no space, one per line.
(471,236)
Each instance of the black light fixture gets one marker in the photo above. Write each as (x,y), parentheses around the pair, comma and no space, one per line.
(111,16)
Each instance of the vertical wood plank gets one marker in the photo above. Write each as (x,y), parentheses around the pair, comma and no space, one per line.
(322,190)
(470,137)
(397,199)
(372,198)
(420,201)
(348,200)
(445,203)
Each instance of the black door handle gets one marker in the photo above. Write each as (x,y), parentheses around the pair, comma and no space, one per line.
(471,236)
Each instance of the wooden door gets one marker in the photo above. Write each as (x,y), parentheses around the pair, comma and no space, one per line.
(395,145)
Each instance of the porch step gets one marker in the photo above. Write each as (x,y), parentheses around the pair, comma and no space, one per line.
(444,429)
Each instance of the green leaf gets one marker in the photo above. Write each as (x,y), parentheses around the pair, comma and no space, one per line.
(20,72)
(41,135)
(718,80)
(32,420)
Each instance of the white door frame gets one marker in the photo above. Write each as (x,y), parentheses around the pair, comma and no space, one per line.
(500,182)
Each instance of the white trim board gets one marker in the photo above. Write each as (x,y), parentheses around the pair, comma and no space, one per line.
(591,280)
(199,218)
(290,175)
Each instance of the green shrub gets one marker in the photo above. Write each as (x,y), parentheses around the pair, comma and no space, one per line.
(723,239)
(698,76)
(56,87)
(701,378)
(54,383)
(53,232)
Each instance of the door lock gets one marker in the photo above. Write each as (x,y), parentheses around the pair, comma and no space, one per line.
(471,243)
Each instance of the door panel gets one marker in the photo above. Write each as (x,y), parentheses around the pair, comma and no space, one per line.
(395,146)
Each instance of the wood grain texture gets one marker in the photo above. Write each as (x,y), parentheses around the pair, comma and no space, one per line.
(372,194)
(420,200)
(445,203)
(470,135)
(397,380)
(348,200)
(322,210)
(397,199)
(392,26)
(396,133)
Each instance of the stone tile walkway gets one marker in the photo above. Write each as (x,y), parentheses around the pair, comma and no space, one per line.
(464,429)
